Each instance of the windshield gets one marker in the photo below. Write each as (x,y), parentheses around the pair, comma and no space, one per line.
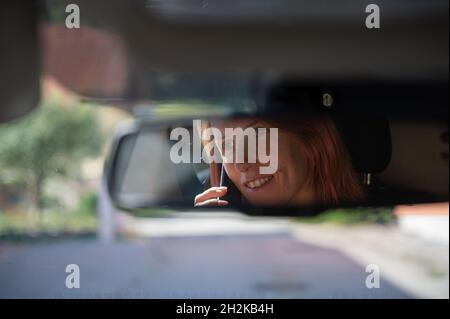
(145,172)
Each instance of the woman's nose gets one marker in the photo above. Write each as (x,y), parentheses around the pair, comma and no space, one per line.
(242,167)
(247,164)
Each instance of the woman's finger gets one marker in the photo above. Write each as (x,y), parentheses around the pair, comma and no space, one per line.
(210,193)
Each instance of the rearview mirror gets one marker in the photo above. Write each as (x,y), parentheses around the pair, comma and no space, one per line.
(279,165)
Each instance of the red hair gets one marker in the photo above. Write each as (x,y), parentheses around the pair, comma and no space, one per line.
(330,171)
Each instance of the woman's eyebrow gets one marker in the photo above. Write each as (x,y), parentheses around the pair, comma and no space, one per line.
(252,124)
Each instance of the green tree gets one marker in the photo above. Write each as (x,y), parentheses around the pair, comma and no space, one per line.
(52,140)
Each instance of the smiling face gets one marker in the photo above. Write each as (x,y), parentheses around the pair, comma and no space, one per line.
(287,185)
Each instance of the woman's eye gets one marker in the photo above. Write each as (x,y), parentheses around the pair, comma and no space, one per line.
(261,131)
(228,145)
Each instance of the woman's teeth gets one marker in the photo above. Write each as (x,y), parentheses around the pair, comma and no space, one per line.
(258,182)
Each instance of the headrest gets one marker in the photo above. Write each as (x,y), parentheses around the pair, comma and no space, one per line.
(365,133)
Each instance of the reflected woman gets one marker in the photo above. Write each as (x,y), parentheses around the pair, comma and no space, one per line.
(314,167)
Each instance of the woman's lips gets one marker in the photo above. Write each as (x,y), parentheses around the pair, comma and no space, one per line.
(258,182)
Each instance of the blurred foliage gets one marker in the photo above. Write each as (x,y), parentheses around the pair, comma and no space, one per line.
(52,223)
(87,204)
(349,216)
(82,220)
(153,212)
(187,108)
(51,141)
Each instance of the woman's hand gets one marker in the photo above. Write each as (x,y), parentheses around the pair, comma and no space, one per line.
(211,197)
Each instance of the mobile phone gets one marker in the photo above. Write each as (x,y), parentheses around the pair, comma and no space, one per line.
(221,178)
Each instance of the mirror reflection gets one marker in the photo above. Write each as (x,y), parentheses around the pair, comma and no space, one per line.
(307,161)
